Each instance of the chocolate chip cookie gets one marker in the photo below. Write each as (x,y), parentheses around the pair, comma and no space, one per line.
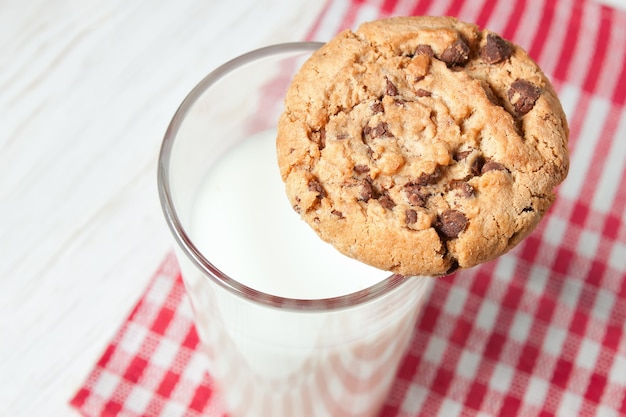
(421,145)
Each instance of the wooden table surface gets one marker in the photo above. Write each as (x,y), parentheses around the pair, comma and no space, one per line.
(87,90)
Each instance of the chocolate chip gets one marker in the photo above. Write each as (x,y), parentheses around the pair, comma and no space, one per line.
(391,89)
(522,95)
(381,130)
(378,131)
(337,213)
(377,107)
(424,50)
(423,93)
(367,191)
(527,209)
(465,189)
(495,50)
(428,179)
(492,166)
(386,201)
(415,195)
(361,169)
(450,223)
(316,187)
(461,155)
(456,54)
(410,216)
(477,165)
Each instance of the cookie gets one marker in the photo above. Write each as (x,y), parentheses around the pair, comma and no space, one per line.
(420,145)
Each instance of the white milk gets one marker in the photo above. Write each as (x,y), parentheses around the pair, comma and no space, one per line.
(245,225)
(279,362)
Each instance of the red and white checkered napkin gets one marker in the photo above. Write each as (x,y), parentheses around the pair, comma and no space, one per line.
(539,332)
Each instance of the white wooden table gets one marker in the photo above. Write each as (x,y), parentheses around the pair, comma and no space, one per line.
(87,89)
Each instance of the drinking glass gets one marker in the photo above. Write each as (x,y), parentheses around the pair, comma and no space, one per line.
(268,354)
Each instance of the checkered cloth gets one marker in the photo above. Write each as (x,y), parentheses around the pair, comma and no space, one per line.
(538,332)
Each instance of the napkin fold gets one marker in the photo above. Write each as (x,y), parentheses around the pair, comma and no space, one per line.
(538,332)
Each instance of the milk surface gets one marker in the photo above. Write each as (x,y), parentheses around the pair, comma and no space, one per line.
(279,362)
(244,224)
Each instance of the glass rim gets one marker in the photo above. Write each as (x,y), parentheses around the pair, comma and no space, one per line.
(183,240)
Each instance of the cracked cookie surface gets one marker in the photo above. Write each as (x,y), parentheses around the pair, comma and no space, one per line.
(421,145)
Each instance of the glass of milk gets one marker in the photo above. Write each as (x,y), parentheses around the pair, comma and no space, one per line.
(290,326)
